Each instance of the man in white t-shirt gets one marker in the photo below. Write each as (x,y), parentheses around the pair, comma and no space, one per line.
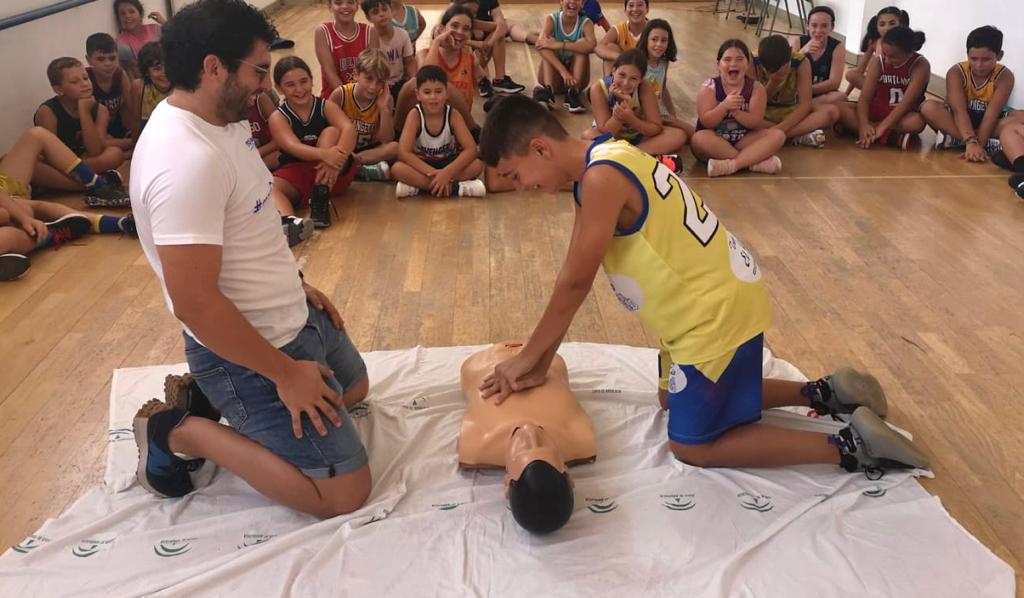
(267,351)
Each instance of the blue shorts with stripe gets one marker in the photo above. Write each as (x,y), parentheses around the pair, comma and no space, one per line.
(701,410)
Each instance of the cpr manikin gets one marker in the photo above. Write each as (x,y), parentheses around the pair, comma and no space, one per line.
(533,435)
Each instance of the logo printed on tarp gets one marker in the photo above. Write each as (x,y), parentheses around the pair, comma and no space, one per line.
(173,547)
(254,540)
(30,543)
(359,411)
(120,434)
(678,502)
(755,502)
(447,506)
(601,505)
(417,404)
(875,491)
(87,548)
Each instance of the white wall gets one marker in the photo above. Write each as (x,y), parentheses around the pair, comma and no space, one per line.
(946,24)
(29,47)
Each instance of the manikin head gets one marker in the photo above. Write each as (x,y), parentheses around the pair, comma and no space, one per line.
(537,482)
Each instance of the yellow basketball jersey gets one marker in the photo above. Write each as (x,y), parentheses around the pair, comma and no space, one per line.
(689,280)
(366,119)
(978,96)
(626,39)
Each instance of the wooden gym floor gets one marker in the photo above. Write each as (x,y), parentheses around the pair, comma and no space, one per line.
(906,264)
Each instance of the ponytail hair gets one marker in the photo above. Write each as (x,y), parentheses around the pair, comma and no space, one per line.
(871,35)
(904,38)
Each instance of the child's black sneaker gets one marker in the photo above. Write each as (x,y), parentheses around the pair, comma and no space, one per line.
(868,443)
(507,85)
(67,228)
(846,390)
(113,178)
(573,103)
(13,266)
(107,196)
(160,471)
(999,159)
(485,88)
(296,229)
(1016,182)
(127,225)
(543,95)
(320,206)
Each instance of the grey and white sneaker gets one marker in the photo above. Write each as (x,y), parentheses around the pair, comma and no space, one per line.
(993,146)
(869,443)
(846,390)
(296,229)
(403,190)
(379,171)
(107,196)
(472,188)
(815,138)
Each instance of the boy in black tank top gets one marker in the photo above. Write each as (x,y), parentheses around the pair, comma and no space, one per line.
(110,85)
(75,117)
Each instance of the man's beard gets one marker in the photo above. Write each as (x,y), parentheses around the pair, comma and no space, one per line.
(234,103)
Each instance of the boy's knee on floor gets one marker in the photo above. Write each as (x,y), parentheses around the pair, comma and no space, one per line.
(698,455)
(343,494)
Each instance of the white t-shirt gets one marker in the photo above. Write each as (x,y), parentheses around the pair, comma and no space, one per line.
(194,183)
(397,49)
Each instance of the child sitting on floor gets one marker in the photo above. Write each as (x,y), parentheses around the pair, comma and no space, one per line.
(26,224)
(730,118)
(442,163)
(152,88)
(624,35)
(888,18)
(786,76)
(367,104)
(316,141)
(977,90)
(338,43)
(658,45)
(625,107)
(80,122)
(826,54)
(565,45)
(394,42)
(409,18)
(894,86)
(111,87)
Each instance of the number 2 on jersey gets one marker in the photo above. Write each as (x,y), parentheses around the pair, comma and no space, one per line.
(702,229)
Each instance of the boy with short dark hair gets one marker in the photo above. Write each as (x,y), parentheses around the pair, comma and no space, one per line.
(80,122)
(692,283)
(394,42)
(977,89)
(368,104)
(786,76)
(441,163)
(110,86)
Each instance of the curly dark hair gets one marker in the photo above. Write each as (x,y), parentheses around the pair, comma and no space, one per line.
(227,29)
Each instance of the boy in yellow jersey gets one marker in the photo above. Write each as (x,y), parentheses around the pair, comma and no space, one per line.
(977,89)
(692,283)
(367,103)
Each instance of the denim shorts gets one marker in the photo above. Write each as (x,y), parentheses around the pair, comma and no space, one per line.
(250,403)
(701,410)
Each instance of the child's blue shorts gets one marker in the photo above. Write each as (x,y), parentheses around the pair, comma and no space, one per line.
(699,410)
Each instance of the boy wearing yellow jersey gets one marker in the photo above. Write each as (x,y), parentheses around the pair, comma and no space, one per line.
(368,104)
(691,282)
(977,90)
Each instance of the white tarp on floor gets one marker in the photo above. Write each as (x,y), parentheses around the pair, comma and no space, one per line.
(644,524)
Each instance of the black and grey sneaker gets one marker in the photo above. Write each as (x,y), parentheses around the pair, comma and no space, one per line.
(183,392)
(573,103)
(1016,182)
(999,159)
(868,443)
(160,471)
(107,196)
(320,206)
(67,228)
(545,96)
(296,229)
(485,88)
(127,225)
(13,266)
(507,85)
(114,179)
(844,391)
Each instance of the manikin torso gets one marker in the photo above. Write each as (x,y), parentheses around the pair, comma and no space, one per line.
(487,428)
